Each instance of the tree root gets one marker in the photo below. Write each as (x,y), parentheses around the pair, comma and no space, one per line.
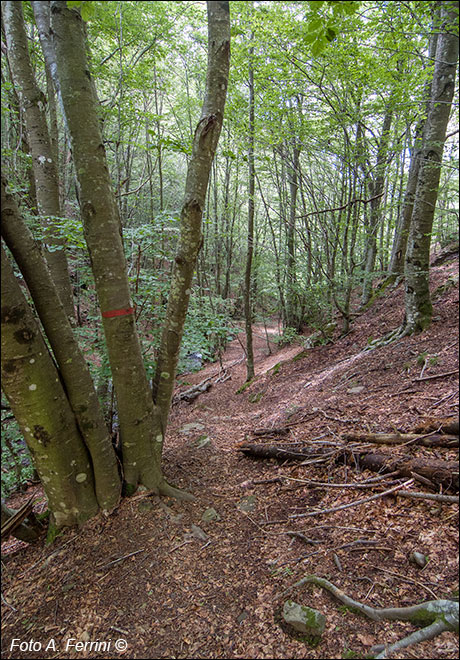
(436,616)
(389,338)
(171,491)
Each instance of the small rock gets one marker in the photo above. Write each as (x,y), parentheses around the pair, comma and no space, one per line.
(356,390)
(247,504)
(209,515)
(202,441)
(145,506)
(198,533)
(242,616)
(193,426)
(419,559)
(170,513)
(304,619)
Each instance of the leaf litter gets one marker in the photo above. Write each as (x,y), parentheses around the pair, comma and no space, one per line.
(148,576)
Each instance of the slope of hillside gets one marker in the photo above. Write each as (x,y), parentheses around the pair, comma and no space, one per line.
(176,582)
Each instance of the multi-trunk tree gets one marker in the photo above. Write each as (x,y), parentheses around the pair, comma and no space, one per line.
(28,367)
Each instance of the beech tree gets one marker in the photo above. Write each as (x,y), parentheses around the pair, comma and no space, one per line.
(73,370)
(80,475)
(142,418)
(34,390)
(418,304)
(248,307)
(33,102)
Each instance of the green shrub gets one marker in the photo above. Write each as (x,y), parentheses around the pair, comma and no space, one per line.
(289,336)
(17,466)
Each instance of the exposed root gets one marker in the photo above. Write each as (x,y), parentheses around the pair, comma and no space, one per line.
(436,628)
(171,491)
(436,616)
(390,337)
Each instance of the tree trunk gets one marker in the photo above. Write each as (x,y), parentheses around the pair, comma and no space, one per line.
(204,146)
(33,388)
(44,166)
(418,304)
(141,451)
(250,243)
(292,319)
(376,188)
(71,363)
(398,254)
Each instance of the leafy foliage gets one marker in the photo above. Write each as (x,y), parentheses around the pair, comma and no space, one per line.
(17,467)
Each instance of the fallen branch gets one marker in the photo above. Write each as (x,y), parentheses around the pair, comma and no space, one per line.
(440,473)
(116,561)
(276,430)
(447,373)
(436,616)
(447,499)
(353,504)
(304,538)
(13,522)
(195,391)
(449,426)
(270,451)
(434,440)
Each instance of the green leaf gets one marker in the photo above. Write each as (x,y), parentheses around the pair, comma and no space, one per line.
(318,47)
(315,25)
(330,34)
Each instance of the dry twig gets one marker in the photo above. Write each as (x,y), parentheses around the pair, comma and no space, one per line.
(352,504)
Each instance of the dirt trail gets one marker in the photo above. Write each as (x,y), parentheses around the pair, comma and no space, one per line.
(213,592)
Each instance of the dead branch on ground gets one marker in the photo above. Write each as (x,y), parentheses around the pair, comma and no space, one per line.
(438,472)
(436,440)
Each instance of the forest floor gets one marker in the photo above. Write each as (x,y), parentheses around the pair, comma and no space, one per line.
(147,576)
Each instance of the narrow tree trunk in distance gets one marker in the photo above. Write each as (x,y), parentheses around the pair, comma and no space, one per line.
(250,247)
(418,304)
(72,365)
(204,146)
(33,388)
(293,319)
(44,166)
(376,188)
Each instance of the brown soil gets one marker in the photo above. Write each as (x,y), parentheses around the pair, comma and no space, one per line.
(177,596)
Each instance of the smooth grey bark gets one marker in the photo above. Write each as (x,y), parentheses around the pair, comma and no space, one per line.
(71,363)
(399,248)
(102,229)
(248,313)
(45,171)
(293,317)
(376,189)
(32,385)
(418,306)
(205,142)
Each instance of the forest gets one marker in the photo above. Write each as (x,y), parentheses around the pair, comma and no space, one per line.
(229,329)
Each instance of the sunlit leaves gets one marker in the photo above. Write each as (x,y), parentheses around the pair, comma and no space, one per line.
(87,8)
